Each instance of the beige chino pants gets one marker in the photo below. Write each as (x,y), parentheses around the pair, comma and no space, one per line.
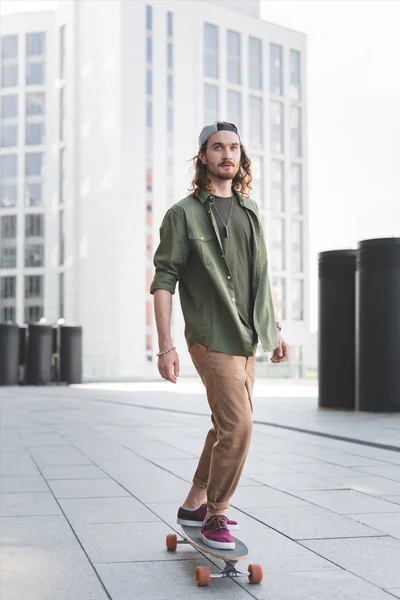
(229,382)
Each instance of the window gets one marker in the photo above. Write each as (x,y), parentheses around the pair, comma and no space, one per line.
(61,292)
(9,227)
(276,70)
(295,131)
(296,189)
(257,183)
(8,194)
(149,114)
(33,194)
(295,81)
(277,186)
(211,51)
(62,52)
(255,64)
(8,256)
(34,286)
(169,56)
(278,289)
(211,102)
(34,134)
(61,234)
(170,24)
(61,175)
(298,299)
(277,146)
(34,255)
(33,314)
(34,226)
(8,314)
(235,108)
(35,104)
(149,18)
(8,165)
(278,244)
(234,67)
(9,76)
(8,287)
(9,47)
(35,73)
(149,50)
(256,122)
(9,106)
(62,113)
(149,82)
(35,44)
(297,247)
(170,87)
(9,135)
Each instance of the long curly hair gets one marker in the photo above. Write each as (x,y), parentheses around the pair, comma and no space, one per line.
(240,183)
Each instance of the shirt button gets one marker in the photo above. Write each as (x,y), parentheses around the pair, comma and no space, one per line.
(228,277)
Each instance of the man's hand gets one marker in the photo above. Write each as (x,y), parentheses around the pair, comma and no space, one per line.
(280,353)
(168,366)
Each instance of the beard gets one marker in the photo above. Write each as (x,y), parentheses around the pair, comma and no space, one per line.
(219,173)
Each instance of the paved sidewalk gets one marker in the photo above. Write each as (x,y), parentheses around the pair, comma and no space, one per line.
(92,479)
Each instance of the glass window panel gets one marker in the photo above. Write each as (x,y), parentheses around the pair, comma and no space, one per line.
(295,130)
(278,289)
(211,37)
(8,166)
(9,75)
(33,163)
(34,134)
(8,287)
(62,51)
(170,21)
(8,194)
(235,108)
(33,194)
(276,70)
(149,50)
(277,185)
(170,56)
(33,314)
(256,122)
(297,246)
(149,82)
(8,256)
(276,127)
(255,64)
(234,75)
(35,44)
(298,299)
(34,225)
(9,46)
(9,227)
(257,183)
(149,18)
(35,104)
(34,255)
(170,87)
(296,189)
(295,75)
(8,136)
(35,73)
(210,50)
(9,106)
(210,103)
(278,244)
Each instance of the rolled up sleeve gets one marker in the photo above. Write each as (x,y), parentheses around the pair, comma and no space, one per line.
(171,255)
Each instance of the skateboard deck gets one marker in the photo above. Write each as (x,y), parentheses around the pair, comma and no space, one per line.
(192,534)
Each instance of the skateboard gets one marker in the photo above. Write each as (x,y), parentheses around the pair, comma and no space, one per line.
(191,536)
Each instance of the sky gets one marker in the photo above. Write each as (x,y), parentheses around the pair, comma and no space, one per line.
(353,87)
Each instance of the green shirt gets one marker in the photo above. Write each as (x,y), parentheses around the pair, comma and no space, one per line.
(238,250)
(191,253)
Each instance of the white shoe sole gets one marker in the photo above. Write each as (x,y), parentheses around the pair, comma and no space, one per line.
(200,524)
(218,545)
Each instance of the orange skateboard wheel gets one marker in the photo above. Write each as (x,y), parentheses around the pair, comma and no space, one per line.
(203,576)
(171,542)
(255,573)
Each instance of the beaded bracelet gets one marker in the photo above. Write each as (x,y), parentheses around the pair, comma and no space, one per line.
(166,351)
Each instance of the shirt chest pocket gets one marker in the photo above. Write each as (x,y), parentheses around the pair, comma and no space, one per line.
(203,243)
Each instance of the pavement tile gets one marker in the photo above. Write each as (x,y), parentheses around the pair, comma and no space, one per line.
(294,481)
(370,484)
(28,504)
(395,592)
(395,499)
(388,523)
(165,580)
(105,510)
(348,501)
(73,472)
(43,439)
(310,522)
(17,464)
(374,559)
(65,456)
(353,460)
(389,471)
(22,483)
(263,496)
(92,488)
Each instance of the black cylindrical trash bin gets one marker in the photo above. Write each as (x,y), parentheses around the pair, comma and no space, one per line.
(70,354)
(38,359)
(378,325)
(9,353)
(336,333)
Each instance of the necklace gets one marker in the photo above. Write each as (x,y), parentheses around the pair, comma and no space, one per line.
(226,225)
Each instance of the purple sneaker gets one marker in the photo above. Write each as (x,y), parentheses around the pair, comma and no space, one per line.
(215,533)
(195,518)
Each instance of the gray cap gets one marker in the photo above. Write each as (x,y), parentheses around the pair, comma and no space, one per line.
(209,130)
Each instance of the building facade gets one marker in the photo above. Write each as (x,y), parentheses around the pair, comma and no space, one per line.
(105,123)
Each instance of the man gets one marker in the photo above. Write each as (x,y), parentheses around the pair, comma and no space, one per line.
(212,243)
